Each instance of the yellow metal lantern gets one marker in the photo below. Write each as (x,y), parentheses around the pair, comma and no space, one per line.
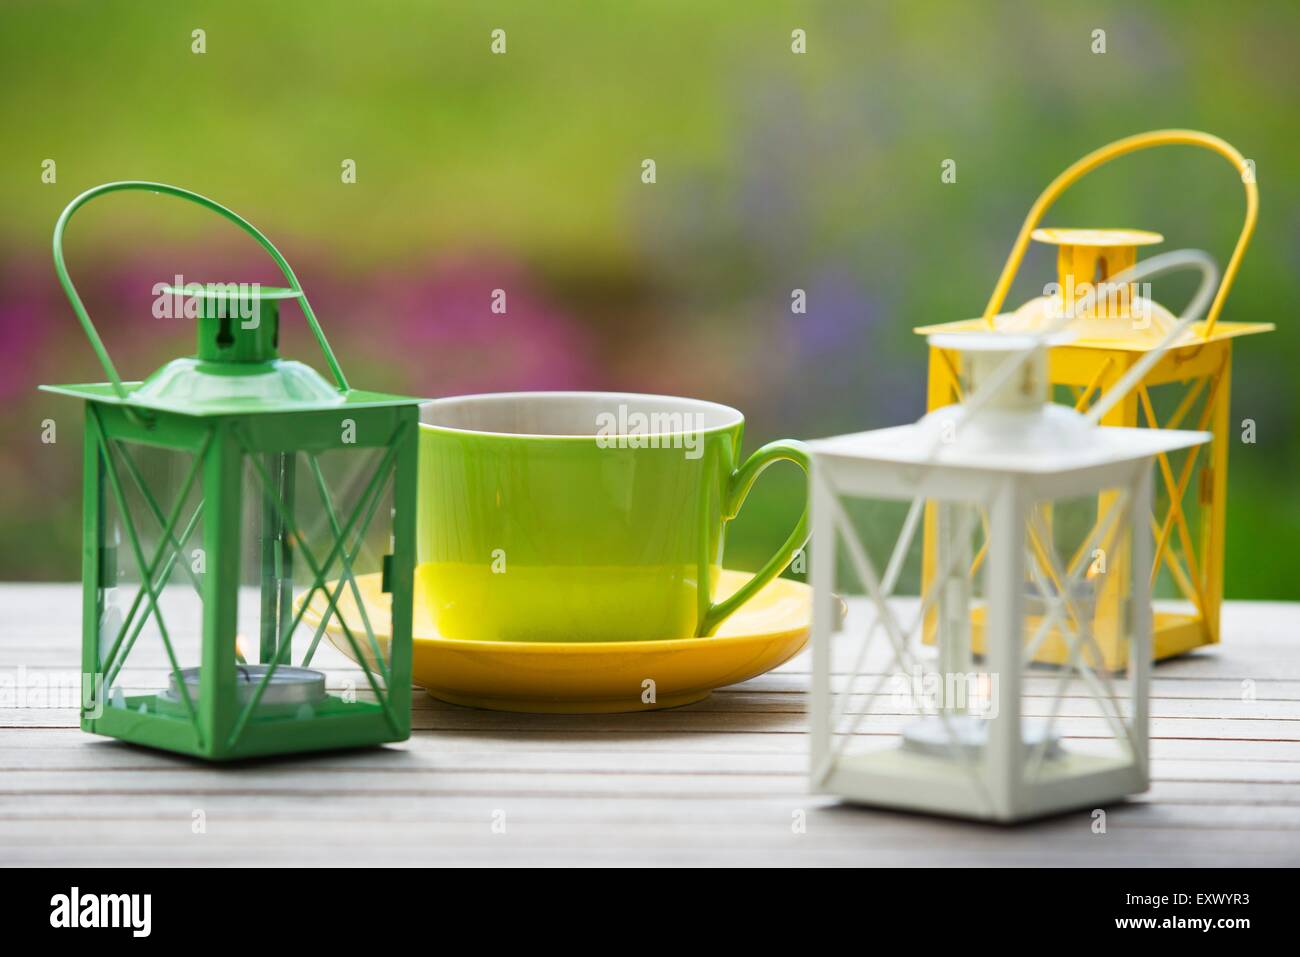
(1113,325)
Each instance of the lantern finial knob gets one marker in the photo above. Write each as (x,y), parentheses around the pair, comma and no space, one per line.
(237,363)
(1007,406)
(1086,259)
(237,321)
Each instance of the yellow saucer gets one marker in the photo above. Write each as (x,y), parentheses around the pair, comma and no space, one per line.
(592,677)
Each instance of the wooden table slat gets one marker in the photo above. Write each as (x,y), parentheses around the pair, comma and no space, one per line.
(718,782)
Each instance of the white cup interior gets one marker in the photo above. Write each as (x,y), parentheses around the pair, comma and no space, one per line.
(577,414)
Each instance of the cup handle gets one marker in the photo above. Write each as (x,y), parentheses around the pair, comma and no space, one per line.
(742,480)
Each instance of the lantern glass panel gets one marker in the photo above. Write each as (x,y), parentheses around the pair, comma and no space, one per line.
(1076,609)
(151,517)
(885,678)
(915,692)
(316,529)
(1182,478)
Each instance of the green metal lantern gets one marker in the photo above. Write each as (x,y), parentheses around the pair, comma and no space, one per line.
(223,495)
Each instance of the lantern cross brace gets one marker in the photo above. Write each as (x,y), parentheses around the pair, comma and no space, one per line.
(1037,549)
(137,479)
(114,662)
(1083,395)
(887,585)
(1187,581)
(898,638)
(148,569)
(338,588)
(1098,685)
(346,559)
(1042,562)
(319,572)
(1193,587)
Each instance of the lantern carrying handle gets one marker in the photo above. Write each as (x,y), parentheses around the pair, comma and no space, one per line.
(79,308)
(1099,157)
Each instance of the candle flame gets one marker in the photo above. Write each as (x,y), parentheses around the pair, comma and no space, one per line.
(241,650)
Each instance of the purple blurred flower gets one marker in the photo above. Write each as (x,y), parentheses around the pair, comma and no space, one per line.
(435,327)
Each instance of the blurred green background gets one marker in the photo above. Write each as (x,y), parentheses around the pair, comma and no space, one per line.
(522,171)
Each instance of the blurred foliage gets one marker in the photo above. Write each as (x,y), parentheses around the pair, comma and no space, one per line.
(775,171)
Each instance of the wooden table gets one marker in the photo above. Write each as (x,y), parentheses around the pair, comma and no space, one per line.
(718,782)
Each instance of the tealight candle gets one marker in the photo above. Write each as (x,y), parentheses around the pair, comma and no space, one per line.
(289,687)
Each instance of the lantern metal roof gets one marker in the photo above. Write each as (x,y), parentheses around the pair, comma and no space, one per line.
(1016,431)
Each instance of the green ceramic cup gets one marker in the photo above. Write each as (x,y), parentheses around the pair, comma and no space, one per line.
(584,516)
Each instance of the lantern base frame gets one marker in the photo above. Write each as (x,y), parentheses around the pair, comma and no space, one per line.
(1173,633)
(908,781)
(335,724)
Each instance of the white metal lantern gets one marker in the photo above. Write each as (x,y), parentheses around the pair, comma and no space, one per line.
(1034,504)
